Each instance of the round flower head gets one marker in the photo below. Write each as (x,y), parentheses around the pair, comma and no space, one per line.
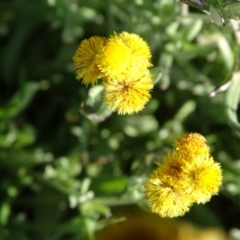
(128,94)
(171,165)
(114,58)
(192,146)
(140,52)
(202,179)
(186,176)
(164,198)
(84,59)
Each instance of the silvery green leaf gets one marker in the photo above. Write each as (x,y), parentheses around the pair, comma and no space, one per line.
(216,16)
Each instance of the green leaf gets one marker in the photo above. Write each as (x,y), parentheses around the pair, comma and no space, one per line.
(19,101)
(5,211)
(192,30)
(216,16)
(109,185)
(232,98)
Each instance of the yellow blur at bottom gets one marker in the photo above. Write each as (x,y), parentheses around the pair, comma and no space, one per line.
(138,225)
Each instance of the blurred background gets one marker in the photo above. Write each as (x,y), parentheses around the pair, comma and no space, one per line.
(71,169)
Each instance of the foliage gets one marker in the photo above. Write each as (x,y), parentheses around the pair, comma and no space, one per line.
(65,160)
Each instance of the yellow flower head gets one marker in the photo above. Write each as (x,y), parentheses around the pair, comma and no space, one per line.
(203,179)
(186,176)
(140,52)
(164,198)
(171,165)
(84,59)
(123,53)
(114,58)
(128,94)
(192,145)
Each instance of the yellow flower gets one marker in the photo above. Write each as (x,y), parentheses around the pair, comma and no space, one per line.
(186,176)
(198,177)
(140,51)
(114,58)
(164,198)
(171,165)
(84,59)
(128,94)
(124,52)
(192,145)
(203,179)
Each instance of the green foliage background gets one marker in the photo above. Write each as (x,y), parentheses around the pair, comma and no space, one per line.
(65,160)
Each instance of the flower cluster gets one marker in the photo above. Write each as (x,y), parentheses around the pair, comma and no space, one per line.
(186,176)
(122,62)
